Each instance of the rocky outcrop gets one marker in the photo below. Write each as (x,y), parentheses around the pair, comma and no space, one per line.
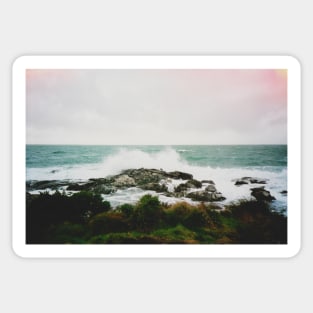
(146,179)
(187,189)
(155,180)
(249,180)
(261,194)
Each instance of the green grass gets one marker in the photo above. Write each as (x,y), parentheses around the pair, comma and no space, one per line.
(86,219)
(177,233)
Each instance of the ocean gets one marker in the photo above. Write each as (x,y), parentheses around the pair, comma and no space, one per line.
(221,163)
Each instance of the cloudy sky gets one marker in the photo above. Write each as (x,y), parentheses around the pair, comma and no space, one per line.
(156,106)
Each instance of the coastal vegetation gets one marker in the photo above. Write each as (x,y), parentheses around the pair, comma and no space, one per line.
(85,218)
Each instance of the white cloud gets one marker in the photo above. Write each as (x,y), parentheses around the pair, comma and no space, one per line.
(153,107)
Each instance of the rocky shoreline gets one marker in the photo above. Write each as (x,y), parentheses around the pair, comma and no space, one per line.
(173,184)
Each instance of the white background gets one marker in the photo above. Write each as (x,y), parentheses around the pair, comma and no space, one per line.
(160,27)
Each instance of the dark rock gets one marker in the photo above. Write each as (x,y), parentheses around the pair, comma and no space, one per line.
(155,187)
(181,187)
(179,194)
(45,184)
(257,181)
(241,182)
(104,189)
(169,194)
(217,196)
(81,186)
(148,179)
(210,188)
(143,176)
(97,185)
(99,180)
(203,195)
(76,187)
(261,194)
(208,182)
(28,184)
(284,192)
(179,175)
(251,180)
(192,183)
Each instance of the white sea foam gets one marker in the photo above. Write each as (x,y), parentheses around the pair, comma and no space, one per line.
(169,160)
(133,194)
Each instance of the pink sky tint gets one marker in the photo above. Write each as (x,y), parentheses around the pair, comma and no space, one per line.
(277,85)
(274,80)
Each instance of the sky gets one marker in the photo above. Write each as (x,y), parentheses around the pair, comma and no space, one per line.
(174,106)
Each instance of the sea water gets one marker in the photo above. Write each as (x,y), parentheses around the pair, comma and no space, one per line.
(221,163)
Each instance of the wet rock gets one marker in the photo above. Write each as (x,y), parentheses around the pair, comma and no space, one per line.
(257,181)
(179,175)
(76,187)
(181,187)
(144,176)
(208,182)
(29,184)
(104,189)
(262,194)
(99,180)
(250,180)
(284,192)
(155,187)
(217,196)
(97,185)
(169,194)
(203,195)
(192,183)
(210,188)
(45,184)
(147,179)
(241,182)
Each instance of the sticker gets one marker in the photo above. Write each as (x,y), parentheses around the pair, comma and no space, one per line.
(156,156)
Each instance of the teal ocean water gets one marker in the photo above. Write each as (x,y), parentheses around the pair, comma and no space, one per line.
(223,164)
(41,156)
